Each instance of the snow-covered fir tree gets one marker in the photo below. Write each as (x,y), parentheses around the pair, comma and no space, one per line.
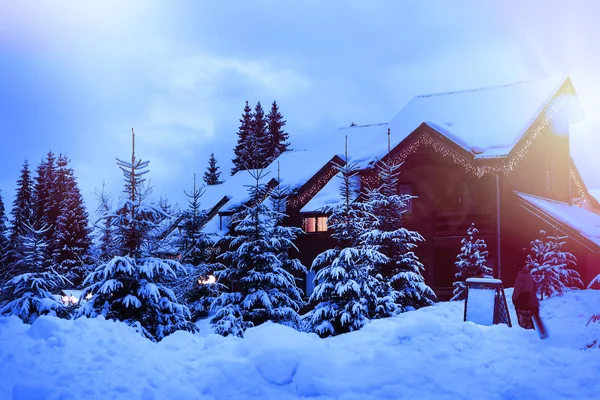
(71,238)
(46,198)
(347,289)
(401,285)
(198,288)
(131,287)
(551,267)
(277,136)
(104,229)
(471,262)
(212,175)
(4,243)
(259,159)
(22,210)
(259,271)
(240,161)
(29,292)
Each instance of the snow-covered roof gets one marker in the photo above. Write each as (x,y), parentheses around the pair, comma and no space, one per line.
(329,196)
(487,122)
(585,222)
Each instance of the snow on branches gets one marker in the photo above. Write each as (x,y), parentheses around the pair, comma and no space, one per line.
(550,266)
(471,262)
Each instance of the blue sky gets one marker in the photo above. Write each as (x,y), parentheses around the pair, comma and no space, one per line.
(76,76)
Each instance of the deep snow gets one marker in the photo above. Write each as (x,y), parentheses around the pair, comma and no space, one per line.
(424,354)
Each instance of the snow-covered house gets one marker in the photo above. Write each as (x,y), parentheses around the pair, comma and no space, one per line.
(497,156)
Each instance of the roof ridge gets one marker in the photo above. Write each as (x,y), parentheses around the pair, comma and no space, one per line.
(475,89)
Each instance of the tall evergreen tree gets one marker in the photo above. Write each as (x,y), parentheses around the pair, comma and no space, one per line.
(196,288)
(71,238)
(132,288)
(264,287)
(278,137)
(347,290)
(4,243)
(258,152)
(550,266)
(212,175)
(400,281)
(29,293)
(471,262)
(241,161)
(22,212)
(104,227)
(47,193)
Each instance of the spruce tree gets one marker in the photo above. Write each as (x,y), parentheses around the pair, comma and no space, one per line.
(71,238)
(550,266)
(132,287)
(346,291)
(212,175)
(196,288)
(103,226)
(278,137)
(259,270)
(401,285)
(47,193)
(4,243)
(471,262)
(258,152)
(29,293)
(22,211)
(241,161)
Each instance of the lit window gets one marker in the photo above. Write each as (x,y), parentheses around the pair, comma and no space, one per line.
(405,190)
(310,282)
(314,224)
(209,280)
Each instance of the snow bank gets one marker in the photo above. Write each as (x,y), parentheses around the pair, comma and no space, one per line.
(425,354)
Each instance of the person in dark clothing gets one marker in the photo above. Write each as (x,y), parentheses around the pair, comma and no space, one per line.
(526,302)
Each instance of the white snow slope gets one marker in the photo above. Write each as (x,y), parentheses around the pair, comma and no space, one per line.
(425,354)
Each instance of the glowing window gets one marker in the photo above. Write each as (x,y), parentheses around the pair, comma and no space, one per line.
(314,224)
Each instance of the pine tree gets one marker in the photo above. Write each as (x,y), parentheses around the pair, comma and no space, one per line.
(264,287)
(196,288)
(346,291)
(241,162)
(28,295)
(131,287)
(278,137)
(212,174)
(258,147)
(71,238)
(549,266)
(104,227)
(4,243)
(47,193)
(471,262)
(22,211)
(401,285)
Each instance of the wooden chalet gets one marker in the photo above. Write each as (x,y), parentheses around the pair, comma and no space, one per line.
(497,157)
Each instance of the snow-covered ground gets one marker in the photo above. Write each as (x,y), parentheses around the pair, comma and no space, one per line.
(425,354)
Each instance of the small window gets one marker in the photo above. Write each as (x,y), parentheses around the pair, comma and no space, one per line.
(310,282)
(405,190)
(224,222)
(314,224)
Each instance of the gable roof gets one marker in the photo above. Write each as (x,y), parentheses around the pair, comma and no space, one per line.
(487,122)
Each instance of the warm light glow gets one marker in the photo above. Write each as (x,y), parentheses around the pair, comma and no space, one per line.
(70,300)
(208,281)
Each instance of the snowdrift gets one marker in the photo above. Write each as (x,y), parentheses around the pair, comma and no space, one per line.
(425,354)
